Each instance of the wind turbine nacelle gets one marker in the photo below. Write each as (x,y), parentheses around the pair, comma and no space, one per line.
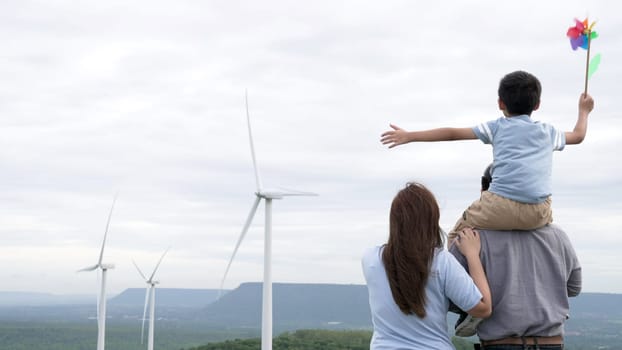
(107,266)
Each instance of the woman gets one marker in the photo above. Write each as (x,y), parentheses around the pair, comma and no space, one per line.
(411,279)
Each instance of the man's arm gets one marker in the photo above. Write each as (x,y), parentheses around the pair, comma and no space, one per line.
(399,136)
(573,286)
(577,135)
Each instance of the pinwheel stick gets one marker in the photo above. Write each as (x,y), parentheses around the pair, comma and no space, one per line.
(587,61)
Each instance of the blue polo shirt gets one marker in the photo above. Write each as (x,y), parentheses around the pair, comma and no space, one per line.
(522,156)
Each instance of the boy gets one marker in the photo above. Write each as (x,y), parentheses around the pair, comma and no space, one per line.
(519,195)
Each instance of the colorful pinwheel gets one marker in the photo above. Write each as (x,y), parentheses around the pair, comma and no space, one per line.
(581,35)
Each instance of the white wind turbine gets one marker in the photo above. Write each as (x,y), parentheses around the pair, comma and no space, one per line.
(101,300)
(268,195)
(149,301)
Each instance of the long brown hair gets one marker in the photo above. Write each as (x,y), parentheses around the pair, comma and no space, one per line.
(414,234)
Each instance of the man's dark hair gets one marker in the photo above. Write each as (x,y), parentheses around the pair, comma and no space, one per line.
(487,178)
(520,92)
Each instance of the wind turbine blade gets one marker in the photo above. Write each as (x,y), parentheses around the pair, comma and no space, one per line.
(142,330)
(158,265)
(300,194)
(250,138)
(101,253)
(139,271)
(290,192)
(90,268)
(249,220)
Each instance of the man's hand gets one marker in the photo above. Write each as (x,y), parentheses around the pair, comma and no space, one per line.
(395,137)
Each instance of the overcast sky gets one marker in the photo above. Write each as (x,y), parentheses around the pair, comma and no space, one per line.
(147,98)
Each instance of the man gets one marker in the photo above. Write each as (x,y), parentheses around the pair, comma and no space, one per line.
(531,275)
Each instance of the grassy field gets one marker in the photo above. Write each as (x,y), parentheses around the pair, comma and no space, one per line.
(593,334)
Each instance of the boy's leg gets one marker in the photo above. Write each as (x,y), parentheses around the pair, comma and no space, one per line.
(460,224)
(476,215)
(494,212)
(466,326)
(532,216)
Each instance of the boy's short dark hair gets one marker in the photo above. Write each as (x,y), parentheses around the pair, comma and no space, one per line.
(520,92)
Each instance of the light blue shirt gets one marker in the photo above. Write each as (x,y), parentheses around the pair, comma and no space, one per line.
(395,330)
(522,156)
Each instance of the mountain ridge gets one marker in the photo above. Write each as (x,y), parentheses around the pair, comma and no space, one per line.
(296,305)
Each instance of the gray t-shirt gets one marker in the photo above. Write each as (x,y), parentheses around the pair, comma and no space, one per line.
(531,275)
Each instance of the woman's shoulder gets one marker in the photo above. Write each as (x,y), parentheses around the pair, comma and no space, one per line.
(375,248)
(372,253)
(443,257)
(372,262)
(441,253)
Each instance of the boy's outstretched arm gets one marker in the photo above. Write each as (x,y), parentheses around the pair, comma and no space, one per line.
(576,136)
(399,136)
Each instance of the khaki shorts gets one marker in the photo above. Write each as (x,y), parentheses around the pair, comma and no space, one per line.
(494,212)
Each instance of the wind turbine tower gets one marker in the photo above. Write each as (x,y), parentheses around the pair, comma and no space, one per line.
(150,302)
(101,300)
(267,194)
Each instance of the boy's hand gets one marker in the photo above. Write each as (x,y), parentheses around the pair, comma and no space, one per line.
(586,103)
(394,137)
(468,242)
